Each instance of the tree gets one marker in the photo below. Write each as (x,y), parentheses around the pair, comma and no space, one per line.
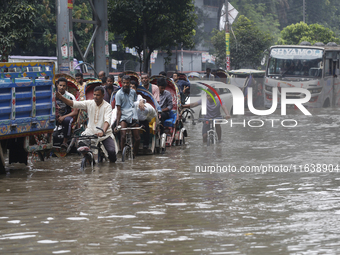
(265,14)
(296,33)
(16,23)
(153,24)
(43,41)
(247,49)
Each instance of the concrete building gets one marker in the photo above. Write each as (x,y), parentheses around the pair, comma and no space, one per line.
(192,59)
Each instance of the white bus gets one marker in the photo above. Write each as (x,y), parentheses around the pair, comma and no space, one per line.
(315,68)
(14,58)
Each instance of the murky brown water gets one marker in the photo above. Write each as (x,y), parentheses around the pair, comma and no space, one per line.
(158,205)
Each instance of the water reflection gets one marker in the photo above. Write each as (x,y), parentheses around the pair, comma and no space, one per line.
(158,205)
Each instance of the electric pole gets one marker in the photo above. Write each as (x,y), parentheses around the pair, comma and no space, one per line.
(304,11)
(227,36)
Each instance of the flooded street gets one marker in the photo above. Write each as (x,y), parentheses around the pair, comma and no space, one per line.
(159,205)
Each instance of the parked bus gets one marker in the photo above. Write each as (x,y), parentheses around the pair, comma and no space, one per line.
(41,59)
(315,68)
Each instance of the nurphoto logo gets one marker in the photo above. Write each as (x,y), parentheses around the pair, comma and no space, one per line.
(238,104)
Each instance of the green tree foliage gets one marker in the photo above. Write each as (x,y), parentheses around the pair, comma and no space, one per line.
(265,14)
(43,41)
(153,24)
(247,50)
(16,23)
(272,16)
(296,33)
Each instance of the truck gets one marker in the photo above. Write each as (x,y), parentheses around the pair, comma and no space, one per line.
(27,110)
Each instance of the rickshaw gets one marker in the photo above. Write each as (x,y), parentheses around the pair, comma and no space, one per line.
(173,127)
(89,88)
(133,75)
(194,76)
(221,75)
(71,84)
(155,144)
(89,79)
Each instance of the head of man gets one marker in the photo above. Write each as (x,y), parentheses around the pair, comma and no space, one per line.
(101,74)
(110,80)
(98,94)
(175,77)
(62,85)
(133,85)
(210,99)
(79,78)
(208,71)
(120,76)
(162,73)
(104,81)
(145,79)
(126,84)
(161,84)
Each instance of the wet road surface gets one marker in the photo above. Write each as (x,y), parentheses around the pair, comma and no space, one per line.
(159,205)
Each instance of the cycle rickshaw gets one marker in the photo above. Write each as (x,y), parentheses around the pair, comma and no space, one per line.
(173,127)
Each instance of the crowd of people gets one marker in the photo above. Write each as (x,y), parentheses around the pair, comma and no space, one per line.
(130,110)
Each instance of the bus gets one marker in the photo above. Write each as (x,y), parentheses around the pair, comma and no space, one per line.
(312,67)
(15,59)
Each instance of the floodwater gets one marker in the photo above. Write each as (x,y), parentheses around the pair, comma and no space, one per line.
(159,205)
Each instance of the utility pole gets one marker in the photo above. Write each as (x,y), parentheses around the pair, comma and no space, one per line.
(304,11)
(227,36)
(66,38)
(182,57)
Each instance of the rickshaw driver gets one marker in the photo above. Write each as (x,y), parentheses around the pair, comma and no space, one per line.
(213,112)
(99,112)
(126,113)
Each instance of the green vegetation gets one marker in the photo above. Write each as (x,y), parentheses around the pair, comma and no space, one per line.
(16,22)
(153,24)
(297,33)
(28,27)
(247,51)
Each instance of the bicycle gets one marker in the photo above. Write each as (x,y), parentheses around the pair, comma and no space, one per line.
(211,133)
(127,152)
(86,151)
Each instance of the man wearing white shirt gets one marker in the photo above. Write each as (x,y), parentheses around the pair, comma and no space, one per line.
(99,113)
(209,75)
